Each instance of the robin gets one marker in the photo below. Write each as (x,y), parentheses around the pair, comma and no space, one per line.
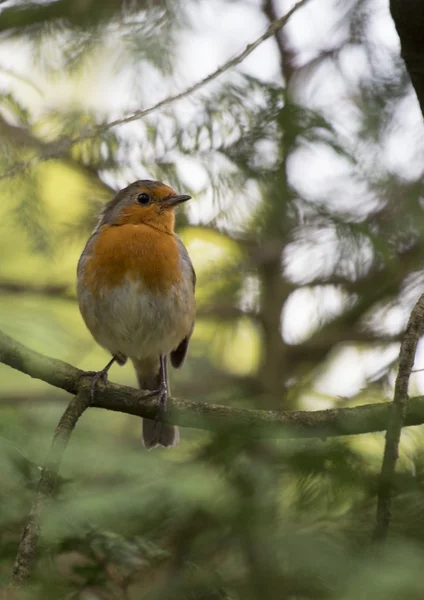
(135,286)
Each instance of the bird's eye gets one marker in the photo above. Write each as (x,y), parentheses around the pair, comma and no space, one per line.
(143,199)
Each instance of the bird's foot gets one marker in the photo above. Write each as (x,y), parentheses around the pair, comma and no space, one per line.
(99,375)
(96,376)
(162,394)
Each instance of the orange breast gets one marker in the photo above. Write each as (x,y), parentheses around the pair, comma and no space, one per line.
(138,252)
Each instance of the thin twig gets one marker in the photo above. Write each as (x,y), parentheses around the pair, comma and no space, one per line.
(63,145)
(414,331)
(25,557)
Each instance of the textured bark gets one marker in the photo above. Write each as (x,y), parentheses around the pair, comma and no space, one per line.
(28,545)
(275,290)
(414,331)
(261,423)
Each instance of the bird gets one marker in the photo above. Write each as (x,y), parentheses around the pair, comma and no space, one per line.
(136,292)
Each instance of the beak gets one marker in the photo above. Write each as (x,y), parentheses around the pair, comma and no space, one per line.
(174,200)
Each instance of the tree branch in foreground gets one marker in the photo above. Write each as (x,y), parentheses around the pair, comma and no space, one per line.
(414,331)
(260,423)
(28,545)
(63,145)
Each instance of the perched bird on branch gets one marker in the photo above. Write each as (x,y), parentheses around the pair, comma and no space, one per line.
(135,286)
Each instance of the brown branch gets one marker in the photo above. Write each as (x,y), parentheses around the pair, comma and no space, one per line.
(286,54)
(63,145)
(370,289)
(409,20)
(414,331)
(28,545)
(225,312)
(54,290)
(268,8)
(21,137)
(212,417)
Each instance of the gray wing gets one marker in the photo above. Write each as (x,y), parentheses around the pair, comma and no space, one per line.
(83,259)
(178,355)
(187,264)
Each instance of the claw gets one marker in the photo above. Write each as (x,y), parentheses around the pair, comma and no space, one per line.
(98,376)
(161,393)
(163,397)
(162,401)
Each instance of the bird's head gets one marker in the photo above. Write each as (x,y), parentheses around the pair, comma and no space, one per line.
(144,202)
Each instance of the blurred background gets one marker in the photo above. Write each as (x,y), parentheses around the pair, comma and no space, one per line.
(305,162)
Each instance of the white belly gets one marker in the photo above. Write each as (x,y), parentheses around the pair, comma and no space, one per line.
(138,323)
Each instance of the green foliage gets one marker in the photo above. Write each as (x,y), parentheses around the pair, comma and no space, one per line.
(233,519)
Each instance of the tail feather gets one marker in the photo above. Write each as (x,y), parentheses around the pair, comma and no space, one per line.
(154,433)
